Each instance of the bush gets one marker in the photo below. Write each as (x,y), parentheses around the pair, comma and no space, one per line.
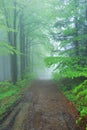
(78,95)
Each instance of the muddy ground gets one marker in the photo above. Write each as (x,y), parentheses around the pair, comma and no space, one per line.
(42,107)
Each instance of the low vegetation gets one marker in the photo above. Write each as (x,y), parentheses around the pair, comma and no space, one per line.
(11,94)
(77,94)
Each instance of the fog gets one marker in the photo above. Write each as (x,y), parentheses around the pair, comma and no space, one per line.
(45,74)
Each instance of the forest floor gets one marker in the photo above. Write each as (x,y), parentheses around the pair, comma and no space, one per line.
(42,107)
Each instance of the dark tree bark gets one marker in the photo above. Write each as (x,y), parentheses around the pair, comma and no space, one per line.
(22,46)
(12,38)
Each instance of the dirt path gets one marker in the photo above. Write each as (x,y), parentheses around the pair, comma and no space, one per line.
(43,107)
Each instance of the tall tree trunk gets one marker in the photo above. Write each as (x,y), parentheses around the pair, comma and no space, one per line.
(86,30)
(14,44)
(22,46)
(76,43)
(12,38)
(26,53)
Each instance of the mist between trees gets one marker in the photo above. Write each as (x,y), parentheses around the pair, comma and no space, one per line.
(36,34)
(32,30)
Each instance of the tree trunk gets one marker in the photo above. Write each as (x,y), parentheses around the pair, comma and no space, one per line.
(22,46)
(14,44)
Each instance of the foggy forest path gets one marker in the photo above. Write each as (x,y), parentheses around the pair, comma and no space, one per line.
(42,107)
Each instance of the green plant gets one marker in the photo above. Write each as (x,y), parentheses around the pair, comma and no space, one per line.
(10,93)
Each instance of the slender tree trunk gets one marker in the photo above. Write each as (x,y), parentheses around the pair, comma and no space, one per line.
(14,44)
(86,29)
(76,43)
(12,38)
(26,53)
(22,46)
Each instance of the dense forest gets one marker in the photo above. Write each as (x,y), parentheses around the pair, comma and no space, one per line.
(36,34)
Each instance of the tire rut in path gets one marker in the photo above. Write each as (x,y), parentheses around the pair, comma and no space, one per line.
(44,108)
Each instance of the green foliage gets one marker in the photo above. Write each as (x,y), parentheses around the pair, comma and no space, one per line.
(10,93)
(86,128)
(78,95)
(5,48)
(70,61)
(83,111)
(67,67)
(76,91)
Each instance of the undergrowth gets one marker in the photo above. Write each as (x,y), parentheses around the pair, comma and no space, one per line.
(76,91)
(10,93)
(78,95)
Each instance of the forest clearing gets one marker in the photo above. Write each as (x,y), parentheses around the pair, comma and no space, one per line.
(43,65)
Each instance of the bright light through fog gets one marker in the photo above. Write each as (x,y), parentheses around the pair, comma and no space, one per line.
(46,74)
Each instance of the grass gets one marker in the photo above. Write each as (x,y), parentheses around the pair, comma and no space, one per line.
(9,94)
